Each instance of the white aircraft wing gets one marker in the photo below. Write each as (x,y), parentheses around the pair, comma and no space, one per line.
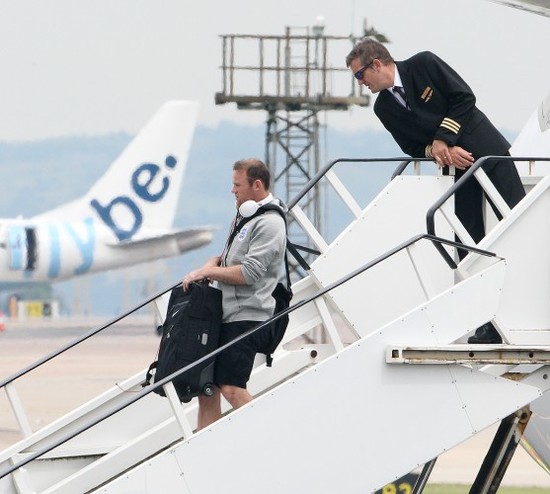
(541,7)
(132,205)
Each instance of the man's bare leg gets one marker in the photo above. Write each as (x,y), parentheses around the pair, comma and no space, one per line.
(209,409)
(236,396)
(210,406)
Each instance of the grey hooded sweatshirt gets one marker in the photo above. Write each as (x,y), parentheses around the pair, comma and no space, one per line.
(259,248)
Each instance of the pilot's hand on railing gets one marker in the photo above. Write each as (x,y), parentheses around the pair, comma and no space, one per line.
(440,152)
(461,158)
(453,155)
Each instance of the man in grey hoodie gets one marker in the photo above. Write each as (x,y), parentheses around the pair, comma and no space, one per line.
(247,272)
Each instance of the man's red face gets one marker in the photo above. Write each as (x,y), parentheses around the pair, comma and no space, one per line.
(241,188)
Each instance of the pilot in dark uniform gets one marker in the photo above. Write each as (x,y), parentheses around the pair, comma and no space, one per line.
(431,111)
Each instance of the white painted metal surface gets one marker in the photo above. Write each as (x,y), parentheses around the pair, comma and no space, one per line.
(335,427)
(327,417)
(397,214)
(524,241)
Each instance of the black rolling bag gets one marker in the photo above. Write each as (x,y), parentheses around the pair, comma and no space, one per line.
(190,331)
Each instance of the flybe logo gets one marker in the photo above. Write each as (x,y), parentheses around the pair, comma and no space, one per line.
(143,184)
(84,240)
(148,183)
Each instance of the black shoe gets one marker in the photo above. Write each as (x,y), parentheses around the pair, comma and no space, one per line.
(485,334)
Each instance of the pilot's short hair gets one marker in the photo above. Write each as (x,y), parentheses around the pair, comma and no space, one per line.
(367,50)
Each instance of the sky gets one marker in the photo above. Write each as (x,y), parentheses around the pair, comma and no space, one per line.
(75,67)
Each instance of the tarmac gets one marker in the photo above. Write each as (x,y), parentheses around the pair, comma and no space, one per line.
(117,353)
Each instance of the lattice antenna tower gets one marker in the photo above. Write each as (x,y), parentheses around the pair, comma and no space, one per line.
(292,78)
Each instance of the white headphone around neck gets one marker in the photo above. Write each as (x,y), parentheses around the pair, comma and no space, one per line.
(249,208)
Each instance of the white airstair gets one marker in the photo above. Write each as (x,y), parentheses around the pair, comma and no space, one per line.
(393,365)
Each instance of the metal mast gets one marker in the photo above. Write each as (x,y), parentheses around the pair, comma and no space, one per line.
(291,78)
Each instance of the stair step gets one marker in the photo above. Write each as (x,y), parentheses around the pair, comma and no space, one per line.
(469,354)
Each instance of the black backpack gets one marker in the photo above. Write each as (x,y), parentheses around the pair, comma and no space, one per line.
(282,294)
(190,331)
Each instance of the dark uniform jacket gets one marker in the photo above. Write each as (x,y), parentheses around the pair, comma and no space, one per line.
(442,106)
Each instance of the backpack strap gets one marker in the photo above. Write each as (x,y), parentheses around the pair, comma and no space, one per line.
(291,247)
(273,207)
(261,210)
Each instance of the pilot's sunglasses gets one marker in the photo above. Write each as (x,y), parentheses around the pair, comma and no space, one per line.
(359,74)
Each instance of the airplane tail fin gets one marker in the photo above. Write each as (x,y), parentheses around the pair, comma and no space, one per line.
(139,192)
(534,140)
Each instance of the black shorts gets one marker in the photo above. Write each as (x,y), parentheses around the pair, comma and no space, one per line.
(234,365)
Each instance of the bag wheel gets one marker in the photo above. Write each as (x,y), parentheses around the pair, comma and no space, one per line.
(208,389)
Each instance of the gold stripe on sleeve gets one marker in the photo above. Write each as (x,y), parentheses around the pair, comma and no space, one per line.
(450,124)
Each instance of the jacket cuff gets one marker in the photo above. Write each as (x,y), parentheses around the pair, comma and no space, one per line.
(450,125)
(448,131)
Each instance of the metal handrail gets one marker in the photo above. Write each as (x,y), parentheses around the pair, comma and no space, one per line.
(312,182)
(401,168)
(82,338)
(437,241)
(116,319)
(322,172)
(149,389)
(430,222)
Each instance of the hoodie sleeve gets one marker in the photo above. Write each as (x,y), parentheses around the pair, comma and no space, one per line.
(267,241)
